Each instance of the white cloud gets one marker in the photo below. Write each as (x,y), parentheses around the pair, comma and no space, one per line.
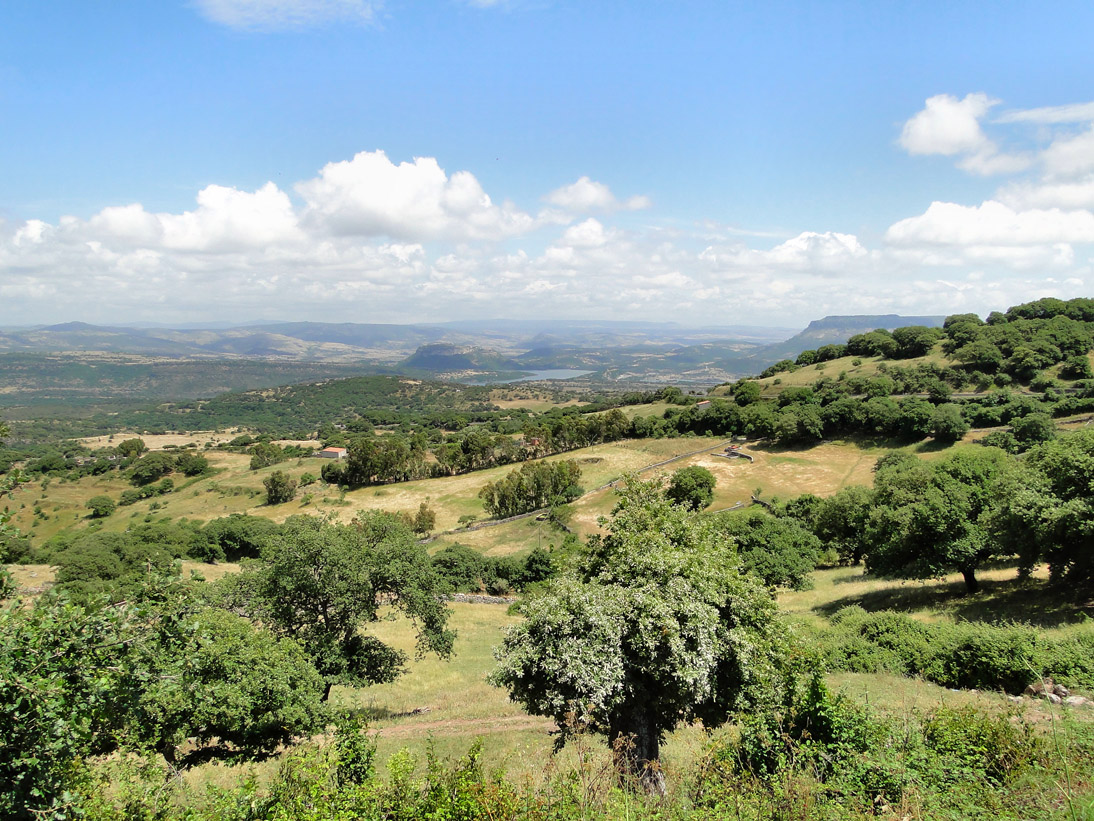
(371,196)
(225,219)
(1069,156)
(951,127)
(948,126)
(1050,115)
(586,195)
(991,223)
(1066,195)
(588,234)
(279,15)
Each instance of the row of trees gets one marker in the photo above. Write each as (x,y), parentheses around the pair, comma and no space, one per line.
(533,486)
(925,519)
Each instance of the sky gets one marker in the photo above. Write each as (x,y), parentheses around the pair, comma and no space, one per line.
(190,161)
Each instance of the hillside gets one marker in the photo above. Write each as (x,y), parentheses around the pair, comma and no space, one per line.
(448,361)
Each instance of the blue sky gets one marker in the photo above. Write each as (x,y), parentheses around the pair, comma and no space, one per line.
(395,161)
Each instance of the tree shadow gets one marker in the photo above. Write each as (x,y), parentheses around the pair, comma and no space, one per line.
(1035,602)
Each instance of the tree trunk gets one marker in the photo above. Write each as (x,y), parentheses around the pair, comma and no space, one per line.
(326,690)
(636,746)
(971,583)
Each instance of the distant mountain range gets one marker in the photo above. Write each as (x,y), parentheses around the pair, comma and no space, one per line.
(617,351)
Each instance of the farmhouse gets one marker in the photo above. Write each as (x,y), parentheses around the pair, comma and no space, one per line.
(332,453)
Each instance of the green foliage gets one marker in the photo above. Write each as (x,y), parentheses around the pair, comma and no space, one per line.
(1033,429)
(1048,511)
(533,486)
(966,655)
(424,520)
(234,537)
(859,761)
(110,564)
(321,582)
(148,469)
(101,506)
(931,519)
(692,487)
(214,677)
(192,464)
(948,424)
(131,448)
(265,454)
(745,392)
(779,550)
(656,627)
(280,488)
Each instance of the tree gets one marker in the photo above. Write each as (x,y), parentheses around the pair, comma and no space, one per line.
(745,392)
(933,519)
(948,424)
(424,520)
(101,506)
(779,551)
(692,487)
(840,522)
(533,486)
(321,582)
(131,448)
(192,464)
(151,673)
(215,679)
(265,454)
(280,488)
(1048,513)
(1033,429)
(655,627)
(148,469)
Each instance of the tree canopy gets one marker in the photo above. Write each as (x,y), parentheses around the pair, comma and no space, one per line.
(692,487)
(321,582)
(657,626)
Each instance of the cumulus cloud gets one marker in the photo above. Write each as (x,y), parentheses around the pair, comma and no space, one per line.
(368,239)
(587,195)
(280,15)
(948,126)
(226,219)
(370,196)
(951,127)
(992,223)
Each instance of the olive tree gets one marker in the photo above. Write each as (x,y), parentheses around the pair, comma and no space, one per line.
(657,626)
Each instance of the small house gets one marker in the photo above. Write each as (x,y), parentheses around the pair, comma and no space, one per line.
(333,453)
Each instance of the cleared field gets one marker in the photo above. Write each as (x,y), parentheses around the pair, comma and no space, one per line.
(782,473)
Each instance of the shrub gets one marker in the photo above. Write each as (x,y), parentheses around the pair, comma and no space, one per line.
(101,506)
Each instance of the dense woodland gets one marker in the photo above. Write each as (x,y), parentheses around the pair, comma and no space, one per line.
(126,673)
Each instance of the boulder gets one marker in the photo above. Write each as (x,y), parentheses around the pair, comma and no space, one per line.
(1039,688)
(1061,691)
(1076,701)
